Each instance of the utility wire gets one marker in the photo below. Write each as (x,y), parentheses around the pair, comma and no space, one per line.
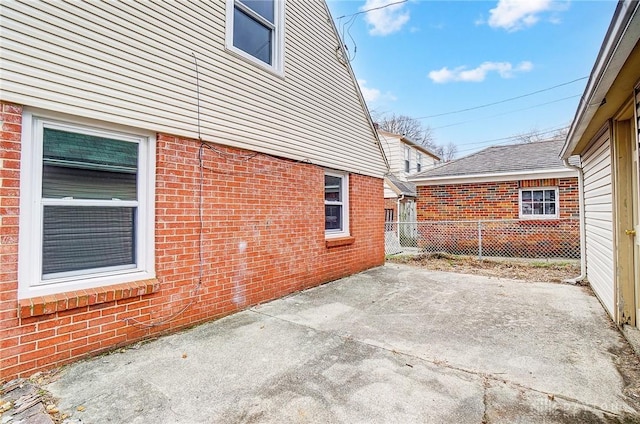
(506,140)
(372,9)
(506,113)
(500,101)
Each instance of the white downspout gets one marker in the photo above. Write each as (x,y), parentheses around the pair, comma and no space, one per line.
(583,233)
(399,200)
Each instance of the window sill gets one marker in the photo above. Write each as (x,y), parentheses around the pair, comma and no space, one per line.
(341,241)
(539,220)
(44,305)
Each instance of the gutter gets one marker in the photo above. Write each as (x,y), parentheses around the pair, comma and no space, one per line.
(618,43)
(583,231)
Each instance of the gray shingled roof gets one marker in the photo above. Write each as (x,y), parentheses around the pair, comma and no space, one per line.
(523,157)
(404,187)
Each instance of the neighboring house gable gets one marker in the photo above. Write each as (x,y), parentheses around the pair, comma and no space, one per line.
(405,156)
(605,133)
(159,170)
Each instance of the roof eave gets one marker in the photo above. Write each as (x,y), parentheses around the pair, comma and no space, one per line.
(495,177)
(619,41)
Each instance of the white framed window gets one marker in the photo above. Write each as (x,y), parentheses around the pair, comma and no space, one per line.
(336,204)
(255,31)
(86,205)
(418,161)
(407,159)
(539,203)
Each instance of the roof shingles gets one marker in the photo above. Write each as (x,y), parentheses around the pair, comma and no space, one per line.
(523,157)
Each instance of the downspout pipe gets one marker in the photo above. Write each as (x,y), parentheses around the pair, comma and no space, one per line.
(400,199)
(583,231)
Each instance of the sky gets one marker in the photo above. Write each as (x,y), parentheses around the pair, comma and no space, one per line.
(432,60)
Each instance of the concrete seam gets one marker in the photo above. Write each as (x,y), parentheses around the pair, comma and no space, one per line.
(441,363)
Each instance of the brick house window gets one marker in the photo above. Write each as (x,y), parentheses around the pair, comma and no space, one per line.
(539,203)
(86,207)
(255,31)
(336,204)
(418,161)
(407,159)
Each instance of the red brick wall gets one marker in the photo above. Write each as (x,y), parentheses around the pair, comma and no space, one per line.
(263,237)
(486,201)
(497,201)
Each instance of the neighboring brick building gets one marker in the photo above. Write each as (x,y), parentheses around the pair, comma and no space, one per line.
(135,202)
(523,182)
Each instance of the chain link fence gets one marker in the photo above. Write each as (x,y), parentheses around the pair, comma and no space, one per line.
(559,238)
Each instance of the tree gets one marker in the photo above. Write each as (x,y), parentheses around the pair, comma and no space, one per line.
(406,126)
(536,135)
(415,131)
(448,153)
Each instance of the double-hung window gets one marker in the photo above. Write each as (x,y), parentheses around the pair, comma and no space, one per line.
(86,206)
(255,31)
(537,203)
(336,204)
(407,159)
(418,162)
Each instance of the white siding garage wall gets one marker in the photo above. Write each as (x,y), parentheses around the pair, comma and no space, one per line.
(599,220)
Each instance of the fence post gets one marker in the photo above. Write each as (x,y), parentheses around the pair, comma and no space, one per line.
(480,240)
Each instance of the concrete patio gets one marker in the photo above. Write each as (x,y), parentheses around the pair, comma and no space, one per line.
(393,344)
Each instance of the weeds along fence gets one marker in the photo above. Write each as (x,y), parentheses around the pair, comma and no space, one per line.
(558,238)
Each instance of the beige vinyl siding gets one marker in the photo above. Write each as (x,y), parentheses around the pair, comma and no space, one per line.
(599,221)
(389,193)
(132,63)
(393,149)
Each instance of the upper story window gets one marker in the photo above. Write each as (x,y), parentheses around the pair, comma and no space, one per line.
(407,159)
(255,30)
(539,202)
(418,161)
(336,204)
(88,193)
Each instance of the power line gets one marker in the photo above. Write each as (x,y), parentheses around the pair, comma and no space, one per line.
(506,140)
(372,9)
(349,23)
(501,101)
(506,113)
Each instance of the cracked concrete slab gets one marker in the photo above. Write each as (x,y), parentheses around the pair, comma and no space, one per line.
(393,344)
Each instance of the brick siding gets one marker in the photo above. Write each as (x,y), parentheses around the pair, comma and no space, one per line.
(263,237)
(498,201)
(492,200)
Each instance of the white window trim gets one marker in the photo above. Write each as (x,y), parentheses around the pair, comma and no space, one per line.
(278,54)
(344,195)
(538,217)
(30,281)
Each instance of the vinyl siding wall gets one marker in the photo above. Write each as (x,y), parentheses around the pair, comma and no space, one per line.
(134,63)
(599,220)
(394,150)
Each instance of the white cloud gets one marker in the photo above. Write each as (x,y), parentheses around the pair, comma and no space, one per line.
(514,15)
(387,20)
(372,95)
(461,73)
(369,94)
